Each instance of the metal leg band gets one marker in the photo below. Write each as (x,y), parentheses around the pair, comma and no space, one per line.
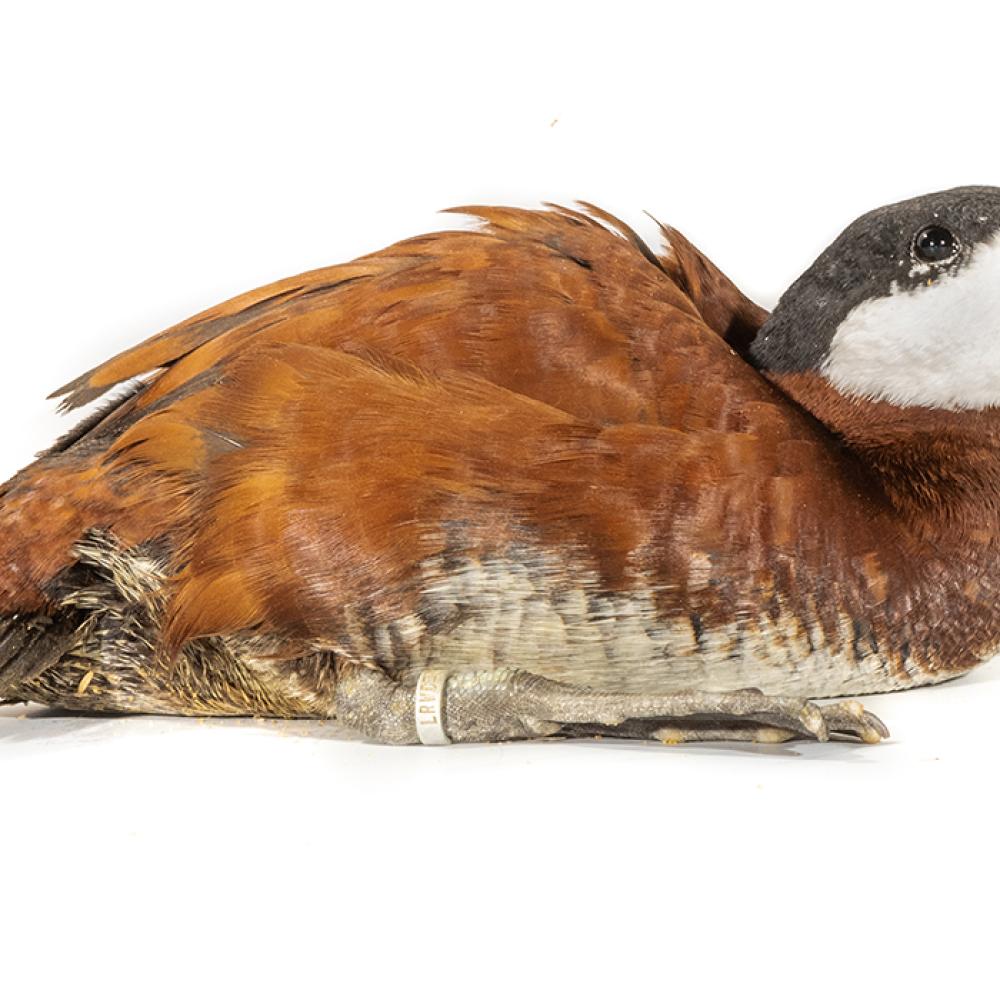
(428,707)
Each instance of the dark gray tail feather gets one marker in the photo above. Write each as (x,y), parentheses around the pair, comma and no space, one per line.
(29,645)
(103,608)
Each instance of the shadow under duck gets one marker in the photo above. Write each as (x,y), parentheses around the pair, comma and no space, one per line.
(529,480)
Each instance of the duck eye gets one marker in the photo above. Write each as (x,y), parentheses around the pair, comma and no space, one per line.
(935,245)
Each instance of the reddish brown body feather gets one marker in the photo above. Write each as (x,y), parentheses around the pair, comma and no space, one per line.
(547,384)
(551,306)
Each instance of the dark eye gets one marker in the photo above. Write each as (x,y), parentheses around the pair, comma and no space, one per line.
(935,245)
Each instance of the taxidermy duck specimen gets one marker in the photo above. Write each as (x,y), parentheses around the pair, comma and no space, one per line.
(530,480)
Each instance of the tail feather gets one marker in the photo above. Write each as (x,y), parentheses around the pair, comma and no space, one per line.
(29,645)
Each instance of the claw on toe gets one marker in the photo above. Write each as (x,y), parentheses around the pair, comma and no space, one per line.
(881,729)
(874,729)
(851,719)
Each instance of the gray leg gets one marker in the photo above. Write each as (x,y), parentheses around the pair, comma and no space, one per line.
(495,705)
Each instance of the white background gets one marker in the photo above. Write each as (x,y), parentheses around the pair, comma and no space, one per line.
(159,158)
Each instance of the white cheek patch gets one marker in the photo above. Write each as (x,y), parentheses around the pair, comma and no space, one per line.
(935,345)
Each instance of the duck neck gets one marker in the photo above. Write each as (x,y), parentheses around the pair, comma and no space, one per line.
(938,469)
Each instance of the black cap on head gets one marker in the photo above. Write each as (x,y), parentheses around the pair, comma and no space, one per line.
(888,252)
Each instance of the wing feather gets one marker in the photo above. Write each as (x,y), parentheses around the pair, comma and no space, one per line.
(525,344)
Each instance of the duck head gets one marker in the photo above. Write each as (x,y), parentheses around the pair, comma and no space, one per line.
(903,307)
(892,339)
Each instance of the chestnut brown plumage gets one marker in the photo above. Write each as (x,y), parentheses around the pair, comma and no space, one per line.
(533,454)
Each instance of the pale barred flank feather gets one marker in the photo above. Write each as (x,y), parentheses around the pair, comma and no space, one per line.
(511,612)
